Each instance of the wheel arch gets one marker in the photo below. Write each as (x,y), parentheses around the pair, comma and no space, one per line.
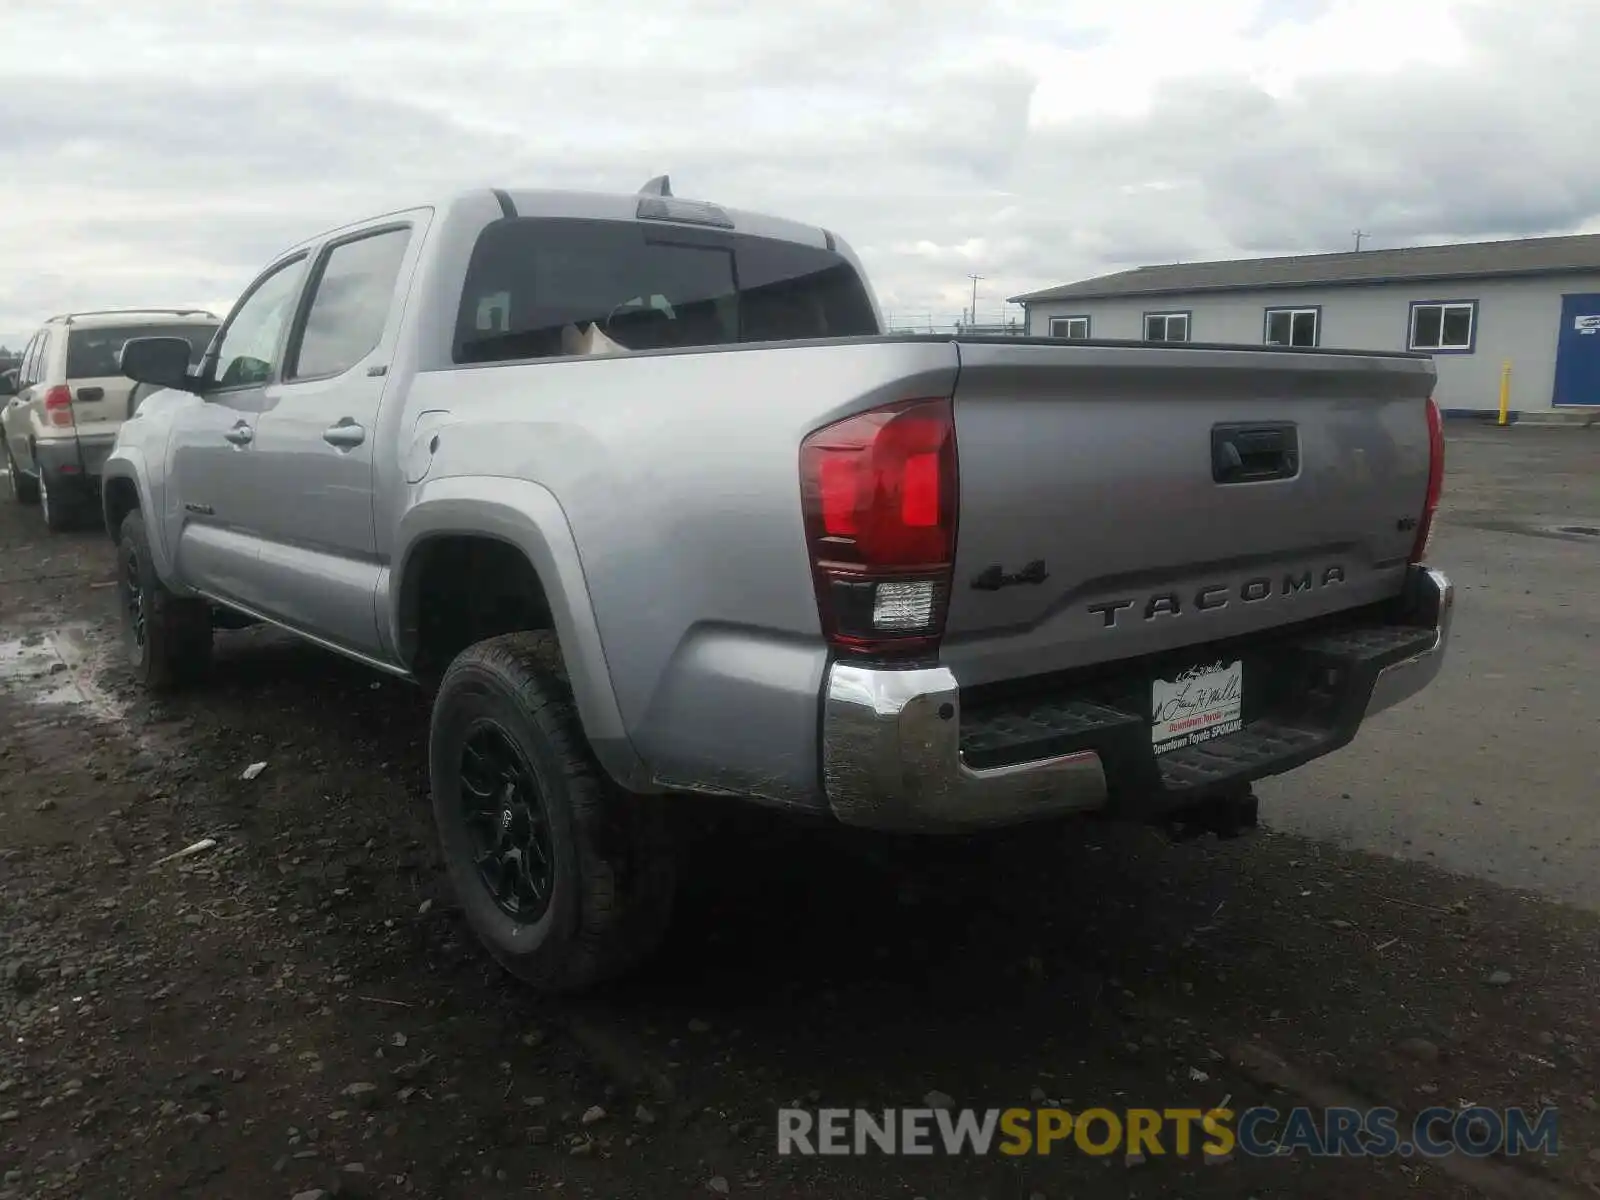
(525,519)
(122,472)
(119,496)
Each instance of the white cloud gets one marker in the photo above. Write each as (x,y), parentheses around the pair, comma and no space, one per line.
(158,153)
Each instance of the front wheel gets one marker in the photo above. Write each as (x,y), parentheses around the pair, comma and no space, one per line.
(566,879)
(167,639)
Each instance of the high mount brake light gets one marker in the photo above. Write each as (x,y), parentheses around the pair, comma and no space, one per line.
(879,494)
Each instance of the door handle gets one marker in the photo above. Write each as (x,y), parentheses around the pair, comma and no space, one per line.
(240,435)
(1254,453)
(345,434)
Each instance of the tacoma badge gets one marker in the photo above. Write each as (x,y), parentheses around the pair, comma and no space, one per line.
(1217,595)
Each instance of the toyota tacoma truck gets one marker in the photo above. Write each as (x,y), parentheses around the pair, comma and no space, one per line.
(639,490)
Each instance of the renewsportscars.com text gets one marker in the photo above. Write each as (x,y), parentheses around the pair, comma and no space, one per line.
(1213,1133)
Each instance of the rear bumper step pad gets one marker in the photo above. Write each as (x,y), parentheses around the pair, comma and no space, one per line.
(1303,698)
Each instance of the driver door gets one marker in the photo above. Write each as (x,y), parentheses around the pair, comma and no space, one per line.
(217,498)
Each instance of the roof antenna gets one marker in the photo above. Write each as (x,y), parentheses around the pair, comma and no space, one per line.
(659,186)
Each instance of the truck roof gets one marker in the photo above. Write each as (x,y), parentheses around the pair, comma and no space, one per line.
(612,206)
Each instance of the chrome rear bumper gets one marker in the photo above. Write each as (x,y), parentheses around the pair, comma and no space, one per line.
(892,757)
(1433,599)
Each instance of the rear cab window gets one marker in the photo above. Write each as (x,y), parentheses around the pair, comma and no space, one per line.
(95,353)
(546,287)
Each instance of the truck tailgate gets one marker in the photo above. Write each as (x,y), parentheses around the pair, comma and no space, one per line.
(1123,500)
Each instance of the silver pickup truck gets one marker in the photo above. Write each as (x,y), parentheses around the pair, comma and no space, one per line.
(637,487)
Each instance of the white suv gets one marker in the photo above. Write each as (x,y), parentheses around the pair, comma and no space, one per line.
(70,398)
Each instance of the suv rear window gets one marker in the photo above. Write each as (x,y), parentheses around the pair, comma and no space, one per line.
(535,284)
(94,353)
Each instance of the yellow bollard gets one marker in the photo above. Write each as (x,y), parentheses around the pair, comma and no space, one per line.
(1505,390)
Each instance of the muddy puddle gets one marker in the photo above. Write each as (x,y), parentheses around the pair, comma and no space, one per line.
(54,671)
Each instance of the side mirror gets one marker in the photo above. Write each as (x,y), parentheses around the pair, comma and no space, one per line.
(162,361)
(8,383)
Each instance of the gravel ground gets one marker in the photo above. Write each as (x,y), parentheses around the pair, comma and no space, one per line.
(299,1009)
(1495,770)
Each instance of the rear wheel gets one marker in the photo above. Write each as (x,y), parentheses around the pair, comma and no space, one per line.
(167,639)
(566,879)
(60,505)
(24,488)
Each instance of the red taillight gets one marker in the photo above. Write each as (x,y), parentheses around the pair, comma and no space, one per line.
(1430,505)
(58,405)
(879,495)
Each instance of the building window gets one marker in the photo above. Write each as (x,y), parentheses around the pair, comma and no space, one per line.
(1293,326)
(1076,328)
(1447,325)
(1166,327)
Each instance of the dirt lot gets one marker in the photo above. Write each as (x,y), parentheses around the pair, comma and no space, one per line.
(299,1008)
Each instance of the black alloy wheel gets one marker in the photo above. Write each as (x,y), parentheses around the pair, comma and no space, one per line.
(132,588)
(507,821)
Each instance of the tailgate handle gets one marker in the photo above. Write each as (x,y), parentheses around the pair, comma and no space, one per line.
(90,395)
(1254,453)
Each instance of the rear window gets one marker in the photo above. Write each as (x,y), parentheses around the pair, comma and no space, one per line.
(537,288)
(95,353)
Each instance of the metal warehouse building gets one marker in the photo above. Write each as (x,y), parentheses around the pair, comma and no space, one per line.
(1534,303)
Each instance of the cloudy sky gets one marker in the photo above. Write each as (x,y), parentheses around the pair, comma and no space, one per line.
(157,152)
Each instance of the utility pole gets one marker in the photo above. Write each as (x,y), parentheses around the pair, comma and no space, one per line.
(1359,234)
(972,316)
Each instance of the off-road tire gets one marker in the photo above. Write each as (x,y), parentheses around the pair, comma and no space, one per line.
(24,488)
(167,638)
(613,861)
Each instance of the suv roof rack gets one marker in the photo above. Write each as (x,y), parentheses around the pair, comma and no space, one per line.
(69,318)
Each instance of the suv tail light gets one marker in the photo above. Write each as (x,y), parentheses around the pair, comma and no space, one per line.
(58,405)
(1430,505)
(879,495)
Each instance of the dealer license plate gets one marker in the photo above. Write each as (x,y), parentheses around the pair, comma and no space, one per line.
(1202,703)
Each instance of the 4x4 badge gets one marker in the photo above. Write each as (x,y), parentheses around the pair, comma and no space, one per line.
(992,579)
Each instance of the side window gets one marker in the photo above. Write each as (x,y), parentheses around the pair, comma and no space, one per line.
(36,364)
(248,349)
(350,303)
(41,357)
(30,355)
